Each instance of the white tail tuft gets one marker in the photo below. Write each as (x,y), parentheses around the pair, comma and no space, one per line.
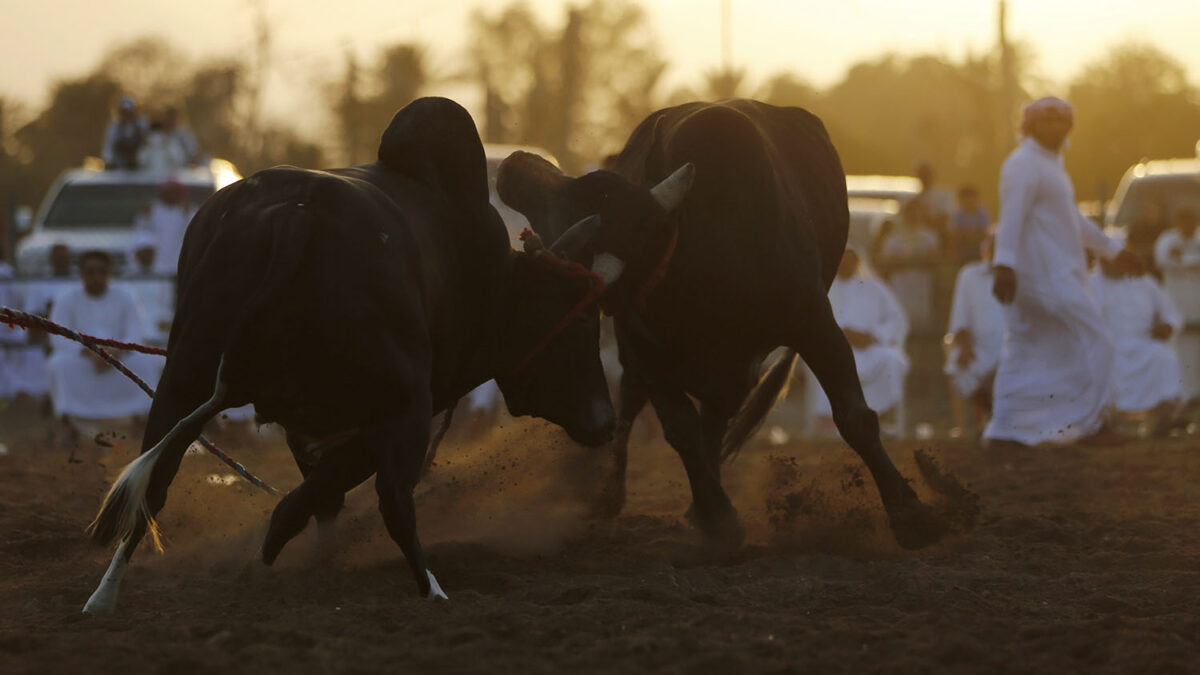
(126,500)
(128,496)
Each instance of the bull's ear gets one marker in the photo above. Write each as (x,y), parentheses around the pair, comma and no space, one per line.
(528,183)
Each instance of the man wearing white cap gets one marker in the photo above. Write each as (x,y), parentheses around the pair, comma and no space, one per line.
(124,136)
(1055,379)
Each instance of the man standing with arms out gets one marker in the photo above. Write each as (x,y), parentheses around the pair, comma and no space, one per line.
(1054,382)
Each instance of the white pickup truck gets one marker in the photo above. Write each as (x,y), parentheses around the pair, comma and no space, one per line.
(90,208)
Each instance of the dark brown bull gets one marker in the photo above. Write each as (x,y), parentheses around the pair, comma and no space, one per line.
(710,288)
(350,306)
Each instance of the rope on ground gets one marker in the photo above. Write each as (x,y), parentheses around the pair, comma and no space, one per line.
(14,317)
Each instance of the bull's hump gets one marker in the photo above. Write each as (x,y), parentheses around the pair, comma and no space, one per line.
(434,140)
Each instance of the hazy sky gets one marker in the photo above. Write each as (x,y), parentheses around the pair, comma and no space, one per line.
(44,39)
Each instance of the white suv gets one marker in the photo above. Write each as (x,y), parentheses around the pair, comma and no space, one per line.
(90,208)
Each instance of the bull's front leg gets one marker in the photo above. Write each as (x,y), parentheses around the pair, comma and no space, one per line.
(824,348)
(612,492)
(711,509)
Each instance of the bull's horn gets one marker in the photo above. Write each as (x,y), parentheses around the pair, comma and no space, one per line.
(608,267)
(671,191)
(573,241)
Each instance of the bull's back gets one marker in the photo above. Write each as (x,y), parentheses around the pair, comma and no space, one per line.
(306,281)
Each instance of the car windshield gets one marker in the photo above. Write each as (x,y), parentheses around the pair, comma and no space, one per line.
(108,205)
(1155,200)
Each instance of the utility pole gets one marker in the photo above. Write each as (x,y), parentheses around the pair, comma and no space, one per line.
(262,48)
(1008,79)
(726,35)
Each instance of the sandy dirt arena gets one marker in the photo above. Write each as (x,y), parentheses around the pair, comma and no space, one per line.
(1080,560)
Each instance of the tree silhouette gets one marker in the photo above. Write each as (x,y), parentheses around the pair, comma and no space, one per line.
(363,101)
(576,91)
(1133,103)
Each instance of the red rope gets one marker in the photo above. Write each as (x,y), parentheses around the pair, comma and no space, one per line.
(659,273)
(15,318)
(570,270)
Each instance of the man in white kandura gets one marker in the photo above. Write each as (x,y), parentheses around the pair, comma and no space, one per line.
(83,387)
(876,327)
(165,223)
(1054,383)
(974,336)
(1177,254)
(1141,319)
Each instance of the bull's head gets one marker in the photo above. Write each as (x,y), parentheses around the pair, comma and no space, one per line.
(551,336)
(635,218)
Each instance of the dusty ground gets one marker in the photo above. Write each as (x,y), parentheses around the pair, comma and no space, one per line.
(1082,560)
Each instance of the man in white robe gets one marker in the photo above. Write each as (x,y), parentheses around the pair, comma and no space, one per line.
(12,340)
(164,224)
(875,327)
(1142,320)
(1054,382)
(38,295)
(83,387)
(155,294)
(974,336)
(1177,254)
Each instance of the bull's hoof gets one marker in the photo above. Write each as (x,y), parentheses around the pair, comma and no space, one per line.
(609,503)
(915,525)
(723,533)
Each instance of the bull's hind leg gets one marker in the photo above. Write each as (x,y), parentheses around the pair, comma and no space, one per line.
(321,495)
(823,346)
(177,415)
(402,445)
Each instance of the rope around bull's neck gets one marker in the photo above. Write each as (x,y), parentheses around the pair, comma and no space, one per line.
(14,318)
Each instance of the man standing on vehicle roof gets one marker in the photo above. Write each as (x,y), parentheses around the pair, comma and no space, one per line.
(1054,382)
(124,136)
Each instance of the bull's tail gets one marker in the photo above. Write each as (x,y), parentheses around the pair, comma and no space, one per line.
(138,492)
(126,502)
(771,387)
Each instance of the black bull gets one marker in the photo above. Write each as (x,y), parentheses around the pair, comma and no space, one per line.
(350,306)
(748,259)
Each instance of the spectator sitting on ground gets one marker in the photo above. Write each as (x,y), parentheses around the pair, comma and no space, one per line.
(1177,255)
(124,137)
(968,225)
(1141,319)
(875,327)
(13,339)
(39,294)
(973,338)
(84,389)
